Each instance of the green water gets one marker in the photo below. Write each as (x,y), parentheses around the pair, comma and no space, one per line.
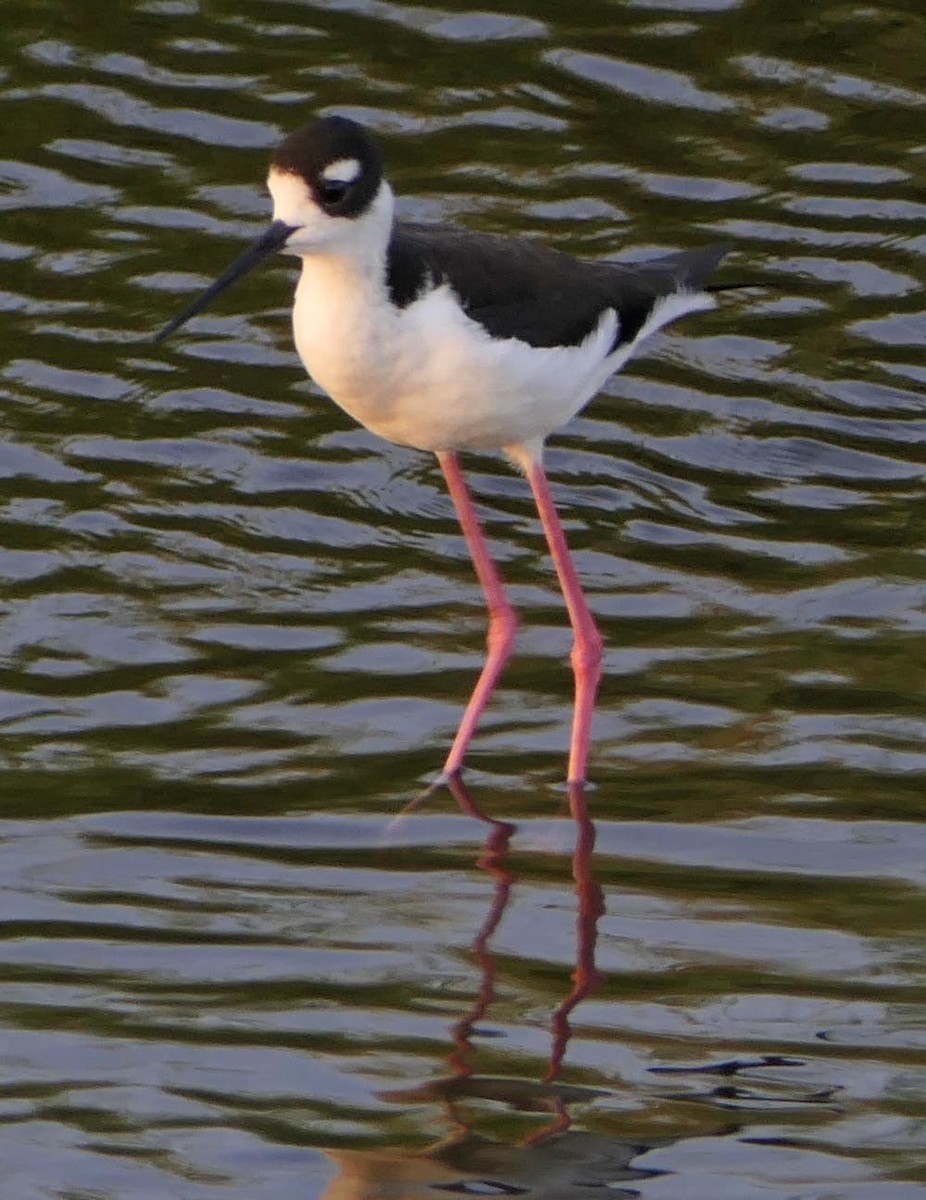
(237,632)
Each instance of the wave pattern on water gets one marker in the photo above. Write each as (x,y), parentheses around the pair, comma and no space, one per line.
(236,632)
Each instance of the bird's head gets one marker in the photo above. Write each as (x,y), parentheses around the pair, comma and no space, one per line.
(329,197)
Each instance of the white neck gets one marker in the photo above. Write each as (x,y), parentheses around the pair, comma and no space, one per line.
(342,319)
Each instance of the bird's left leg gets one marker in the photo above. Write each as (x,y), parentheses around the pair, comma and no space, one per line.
(503,622)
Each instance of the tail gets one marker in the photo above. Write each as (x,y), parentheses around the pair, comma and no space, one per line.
(689,270)
(692,268)
(662,290)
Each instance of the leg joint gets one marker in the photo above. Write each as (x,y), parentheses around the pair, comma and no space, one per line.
(503,631)
(588,651)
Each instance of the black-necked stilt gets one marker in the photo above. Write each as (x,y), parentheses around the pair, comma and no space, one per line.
(449,340)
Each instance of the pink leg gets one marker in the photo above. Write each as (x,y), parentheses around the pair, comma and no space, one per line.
(503,624)
(587,648)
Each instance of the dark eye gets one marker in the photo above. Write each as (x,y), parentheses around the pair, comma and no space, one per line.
(333,190)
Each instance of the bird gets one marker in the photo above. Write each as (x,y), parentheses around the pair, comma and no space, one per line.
(452,340)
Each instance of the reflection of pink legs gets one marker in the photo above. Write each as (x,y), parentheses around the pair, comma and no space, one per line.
(492,860)
(585,977)
(503,623)
(587,647)
(591,907)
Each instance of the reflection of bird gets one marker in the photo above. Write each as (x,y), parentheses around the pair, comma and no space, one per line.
(591,908)
(553,1161)
(449,340)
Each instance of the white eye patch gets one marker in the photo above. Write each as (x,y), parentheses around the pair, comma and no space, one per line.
(345,170)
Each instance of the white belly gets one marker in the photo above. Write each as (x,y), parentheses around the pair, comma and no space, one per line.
(427,375)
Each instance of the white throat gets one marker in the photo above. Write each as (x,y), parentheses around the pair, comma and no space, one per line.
(344,324)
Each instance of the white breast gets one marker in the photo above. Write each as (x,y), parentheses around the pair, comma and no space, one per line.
(429,376)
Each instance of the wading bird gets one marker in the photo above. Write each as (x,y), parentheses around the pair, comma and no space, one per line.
(450,340)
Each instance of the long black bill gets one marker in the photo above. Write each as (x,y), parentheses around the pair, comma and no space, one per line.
(271,239)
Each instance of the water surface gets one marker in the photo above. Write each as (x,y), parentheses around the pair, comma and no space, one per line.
(237,631)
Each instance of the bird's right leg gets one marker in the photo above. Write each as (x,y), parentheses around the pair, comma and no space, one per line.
(503,623)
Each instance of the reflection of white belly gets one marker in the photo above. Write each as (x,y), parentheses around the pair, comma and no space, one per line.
(430,377)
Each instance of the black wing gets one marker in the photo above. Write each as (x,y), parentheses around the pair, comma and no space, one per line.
(516,288)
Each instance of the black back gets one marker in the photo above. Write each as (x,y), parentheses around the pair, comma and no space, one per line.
(521,289)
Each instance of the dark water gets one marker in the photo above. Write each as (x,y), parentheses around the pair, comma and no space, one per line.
(237,632)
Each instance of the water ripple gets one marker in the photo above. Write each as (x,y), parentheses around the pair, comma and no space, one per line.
(236,632)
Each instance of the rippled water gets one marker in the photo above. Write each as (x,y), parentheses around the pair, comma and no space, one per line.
(237,631)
